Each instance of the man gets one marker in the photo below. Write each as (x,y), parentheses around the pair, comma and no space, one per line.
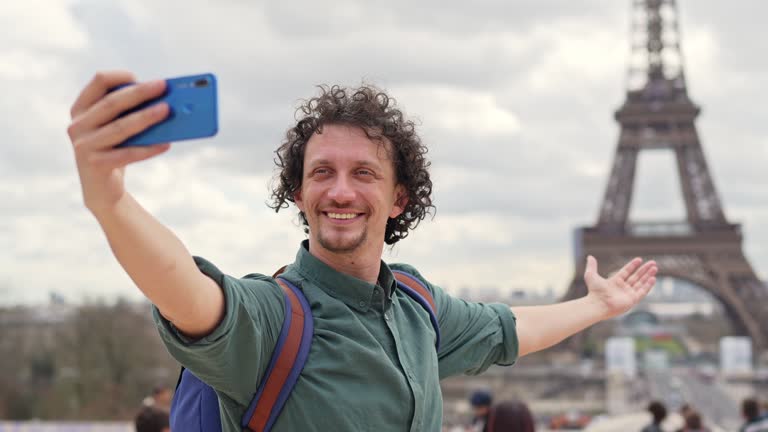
(355,169)
(481,401)
(152,419)
(753,421)
(161,397)
(693,422)
(684,411)
(658,414)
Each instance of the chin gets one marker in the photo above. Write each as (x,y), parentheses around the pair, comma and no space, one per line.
(344,244)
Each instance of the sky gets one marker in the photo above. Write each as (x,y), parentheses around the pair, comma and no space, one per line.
(514,99)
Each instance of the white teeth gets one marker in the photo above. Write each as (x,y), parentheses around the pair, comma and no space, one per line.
(341,215)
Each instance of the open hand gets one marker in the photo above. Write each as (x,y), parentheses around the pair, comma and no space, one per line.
(623,290)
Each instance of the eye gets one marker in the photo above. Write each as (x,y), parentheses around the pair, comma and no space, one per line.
(364,172)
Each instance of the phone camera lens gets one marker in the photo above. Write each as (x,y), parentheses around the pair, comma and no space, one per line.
(201,83)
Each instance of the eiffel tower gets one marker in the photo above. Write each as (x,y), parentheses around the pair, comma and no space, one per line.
(705,248)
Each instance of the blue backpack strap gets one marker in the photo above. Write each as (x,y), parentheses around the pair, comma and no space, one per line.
(288,359)
(195,405)
(419,292)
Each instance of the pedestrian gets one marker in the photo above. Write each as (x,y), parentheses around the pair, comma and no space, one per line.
(160,398)
(152,419)
(685,409)
(356,170)
(480,401)
(693,423)
(658,413)
(754,421)
(510,416)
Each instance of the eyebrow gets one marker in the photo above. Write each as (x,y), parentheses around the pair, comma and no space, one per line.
(367,163)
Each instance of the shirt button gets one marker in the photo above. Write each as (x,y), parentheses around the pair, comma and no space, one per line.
(362,303)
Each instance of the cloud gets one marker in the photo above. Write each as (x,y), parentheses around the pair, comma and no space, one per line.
(48,26)
(453,110)
(515,102)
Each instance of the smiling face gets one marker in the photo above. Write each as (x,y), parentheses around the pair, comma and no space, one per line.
(348,190)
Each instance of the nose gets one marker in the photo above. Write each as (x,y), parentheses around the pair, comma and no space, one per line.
(341,191)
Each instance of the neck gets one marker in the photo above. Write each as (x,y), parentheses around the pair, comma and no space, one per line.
(362,264)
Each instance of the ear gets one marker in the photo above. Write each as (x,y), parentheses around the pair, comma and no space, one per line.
(297,199)
(401,201)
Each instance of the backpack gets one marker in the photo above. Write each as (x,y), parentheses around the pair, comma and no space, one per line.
(195,406)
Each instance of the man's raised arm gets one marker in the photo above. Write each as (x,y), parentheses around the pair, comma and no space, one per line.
(149,252)
(539,327)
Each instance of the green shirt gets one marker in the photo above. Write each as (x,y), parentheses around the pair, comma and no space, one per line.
(373,364)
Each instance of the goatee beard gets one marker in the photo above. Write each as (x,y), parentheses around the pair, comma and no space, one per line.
(344,248)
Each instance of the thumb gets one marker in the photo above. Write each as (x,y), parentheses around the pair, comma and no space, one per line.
(591,269)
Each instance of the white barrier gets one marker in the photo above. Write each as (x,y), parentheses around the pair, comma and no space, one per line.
(40,426)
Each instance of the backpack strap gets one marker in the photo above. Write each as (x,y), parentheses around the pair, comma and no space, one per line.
(288,359)
(419,292)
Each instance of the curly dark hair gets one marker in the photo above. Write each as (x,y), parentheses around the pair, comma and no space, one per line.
(376,114)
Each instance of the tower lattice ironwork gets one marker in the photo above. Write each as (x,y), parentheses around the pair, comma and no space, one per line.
(705,248)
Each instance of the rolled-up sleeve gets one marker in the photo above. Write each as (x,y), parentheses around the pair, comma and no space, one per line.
(243,341)
(509,329)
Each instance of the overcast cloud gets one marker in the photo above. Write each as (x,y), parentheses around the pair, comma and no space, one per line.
(515,100)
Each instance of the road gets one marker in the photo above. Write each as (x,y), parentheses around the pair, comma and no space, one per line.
(677,386)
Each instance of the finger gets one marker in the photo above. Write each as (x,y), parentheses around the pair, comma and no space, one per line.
(629,268)
(639,273)
(98,87)
(115,103)
(591,268)
(121,129)
(119,158)
(646,286)
(650,274)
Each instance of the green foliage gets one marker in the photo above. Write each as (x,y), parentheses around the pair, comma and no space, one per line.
(92,362)
(672,346)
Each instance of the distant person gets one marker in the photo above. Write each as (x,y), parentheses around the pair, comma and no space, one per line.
(570,420)
(152,419)
(480,401)
(684,411)
(659,413)
(160,398)
(162,395)
(510,416)
(754,421)
(693,423)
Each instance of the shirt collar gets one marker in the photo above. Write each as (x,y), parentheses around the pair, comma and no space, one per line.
(354,292)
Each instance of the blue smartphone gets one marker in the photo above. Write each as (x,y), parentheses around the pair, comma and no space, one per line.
(193,111)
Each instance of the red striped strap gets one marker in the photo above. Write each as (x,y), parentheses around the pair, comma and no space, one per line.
(417,286)
(283,365)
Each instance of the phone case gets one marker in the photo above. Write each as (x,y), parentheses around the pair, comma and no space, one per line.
(193,112)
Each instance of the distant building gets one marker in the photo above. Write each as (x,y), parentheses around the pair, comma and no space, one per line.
(643,322)
(676,298)
(514,296)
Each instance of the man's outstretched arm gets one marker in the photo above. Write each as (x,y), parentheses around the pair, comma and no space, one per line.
(539,327)
(149,252)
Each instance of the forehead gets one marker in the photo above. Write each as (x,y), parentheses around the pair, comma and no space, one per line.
(346,143)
